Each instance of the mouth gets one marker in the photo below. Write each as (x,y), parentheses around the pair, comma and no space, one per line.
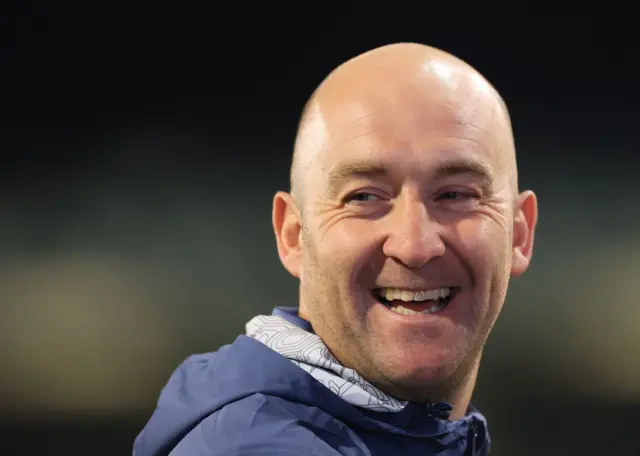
(415,302)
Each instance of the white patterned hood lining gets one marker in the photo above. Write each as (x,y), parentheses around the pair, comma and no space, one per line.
(307,351)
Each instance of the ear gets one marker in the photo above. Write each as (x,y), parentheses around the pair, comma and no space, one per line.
(287,225)
(524,225)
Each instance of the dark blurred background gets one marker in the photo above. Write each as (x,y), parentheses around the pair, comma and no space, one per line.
(142,143)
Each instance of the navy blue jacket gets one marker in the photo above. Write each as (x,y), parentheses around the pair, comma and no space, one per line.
(245,399)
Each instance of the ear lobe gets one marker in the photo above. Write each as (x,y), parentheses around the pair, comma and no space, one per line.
(286,226)
(524,226)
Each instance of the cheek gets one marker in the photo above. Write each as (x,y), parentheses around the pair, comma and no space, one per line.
(349,245)
(485,247)
(484,243)
(332,263)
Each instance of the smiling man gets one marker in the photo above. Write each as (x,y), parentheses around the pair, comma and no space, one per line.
(404,224)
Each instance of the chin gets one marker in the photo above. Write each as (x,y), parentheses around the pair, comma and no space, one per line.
(427,368)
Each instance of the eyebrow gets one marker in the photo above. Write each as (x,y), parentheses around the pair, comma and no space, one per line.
(460,166)
(353,169)
(367,169)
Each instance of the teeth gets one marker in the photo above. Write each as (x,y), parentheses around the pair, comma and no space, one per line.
(392,294)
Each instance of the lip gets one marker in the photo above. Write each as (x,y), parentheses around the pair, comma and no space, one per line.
(415,290)
(419,318)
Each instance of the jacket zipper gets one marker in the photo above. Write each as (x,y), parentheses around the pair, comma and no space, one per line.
(473,430)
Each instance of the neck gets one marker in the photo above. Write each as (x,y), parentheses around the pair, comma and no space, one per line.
(461,396)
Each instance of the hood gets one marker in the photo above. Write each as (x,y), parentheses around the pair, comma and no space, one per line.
(205,383)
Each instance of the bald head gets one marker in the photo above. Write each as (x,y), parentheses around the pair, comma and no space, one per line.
(404,176)
(425,83)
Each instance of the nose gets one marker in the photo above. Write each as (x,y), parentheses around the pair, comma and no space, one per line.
(414,237)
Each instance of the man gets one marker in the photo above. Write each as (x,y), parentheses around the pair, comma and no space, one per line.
(404,224)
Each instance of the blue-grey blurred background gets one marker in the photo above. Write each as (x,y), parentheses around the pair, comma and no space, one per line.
(142,143)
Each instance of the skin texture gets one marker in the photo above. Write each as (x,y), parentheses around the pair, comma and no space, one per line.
(404,175)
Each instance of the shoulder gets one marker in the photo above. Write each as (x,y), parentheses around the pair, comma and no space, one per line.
(265,425)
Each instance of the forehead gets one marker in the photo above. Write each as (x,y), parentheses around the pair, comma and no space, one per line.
(408,130)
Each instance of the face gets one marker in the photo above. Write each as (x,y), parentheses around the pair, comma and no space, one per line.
(408,201)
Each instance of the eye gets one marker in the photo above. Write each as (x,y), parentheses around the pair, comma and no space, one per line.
(452,195)
(361,197)
(455,195)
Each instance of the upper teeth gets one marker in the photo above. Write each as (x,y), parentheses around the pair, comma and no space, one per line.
(405,295)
